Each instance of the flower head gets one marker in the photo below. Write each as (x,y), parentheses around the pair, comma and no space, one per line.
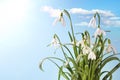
(80,43)
(86,50)
(99,32)
(55,42)
(110,48)
(91,55)
(92,23)
(60,18)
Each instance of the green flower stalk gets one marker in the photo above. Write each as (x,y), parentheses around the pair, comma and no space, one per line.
(85,60)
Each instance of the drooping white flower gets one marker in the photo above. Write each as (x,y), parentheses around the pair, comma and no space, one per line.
(110,48)
(99,32)
(55,42)
(91,55)
(92,22)
(80,42)
(60,18)
(86,50)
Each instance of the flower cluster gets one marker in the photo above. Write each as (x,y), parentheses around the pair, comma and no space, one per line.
(86,59)
(86,50)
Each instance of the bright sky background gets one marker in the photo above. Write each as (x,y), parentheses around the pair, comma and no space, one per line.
(26,29)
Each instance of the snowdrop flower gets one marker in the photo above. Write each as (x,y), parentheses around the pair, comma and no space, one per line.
(80,42)
(86,50)
(60,18)
(110,48)
(77,42)
(99,32)
(55,42)
(91,55)
(92,23)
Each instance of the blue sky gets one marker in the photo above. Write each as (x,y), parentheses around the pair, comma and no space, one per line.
(26,29)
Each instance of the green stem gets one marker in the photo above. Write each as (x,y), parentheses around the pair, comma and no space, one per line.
(97,14)
(65,55)
(67,13)
(74,46)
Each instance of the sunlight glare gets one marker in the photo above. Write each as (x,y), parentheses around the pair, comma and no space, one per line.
(12,15)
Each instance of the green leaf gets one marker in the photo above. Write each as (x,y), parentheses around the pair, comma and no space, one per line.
(69,51)
(75,50)
(70,36)
(103,72)
(105,40)
(73,62)
(79,57)
(62,73)
(67,13)
(111,72)
(88,37)
(106,60)
(49,58)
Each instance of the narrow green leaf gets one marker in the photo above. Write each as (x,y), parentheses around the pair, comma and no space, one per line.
(70,36)
(112,71)
(69,51)
(48,58)
(73,62)
(104,62)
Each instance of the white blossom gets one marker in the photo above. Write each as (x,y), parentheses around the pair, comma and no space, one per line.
(110,48)
(80,42)
(60,18)
(55,42)
(91,55)
(92,23)
(99,32)
(84,47)
(86,50)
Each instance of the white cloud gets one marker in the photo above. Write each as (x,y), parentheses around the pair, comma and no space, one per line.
(105,13)
(114,18)
(53,12)
(80,11)
(89,12)
(82,24)
(107,17)
(111,23)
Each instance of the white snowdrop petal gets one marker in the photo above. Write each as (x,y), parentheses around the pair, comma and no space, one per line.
(59,19)
(99,32)
(110,48)
(92,22)
(91,56)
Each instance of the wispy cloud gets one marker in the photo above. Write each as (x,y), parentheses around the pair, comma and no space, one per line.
(53,12)
(108,18)
(82,24)
(88,12)
(114,18)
